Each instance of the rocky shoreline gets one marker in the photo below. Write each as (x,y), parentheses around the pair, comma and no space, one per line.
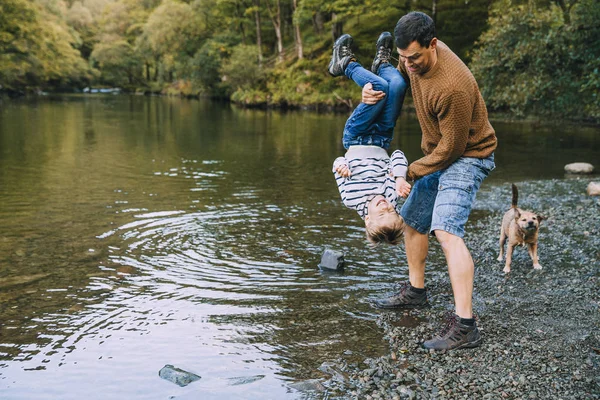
(541,328)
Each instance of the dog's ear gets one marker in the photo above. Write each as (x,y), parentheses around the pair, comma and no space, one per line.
(517,213)
(540,218)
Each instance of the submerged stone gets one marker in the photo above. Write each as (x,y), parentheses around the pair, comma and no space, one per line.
(177,375)
(243,380)
(311,385)
(332,260)
(579,168)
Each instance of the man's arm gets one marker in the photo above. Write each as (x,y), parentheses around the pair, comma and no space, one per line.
(454,119)
(370,96)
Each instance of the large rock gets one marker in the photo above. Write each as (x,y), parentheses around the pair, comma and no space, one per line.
(177,375)
(332,369)
(332,260)
(579,168)
(593,189)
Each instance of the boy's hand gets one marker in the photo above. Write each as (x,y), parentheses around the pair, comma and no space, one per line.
(402,187)
(343,170)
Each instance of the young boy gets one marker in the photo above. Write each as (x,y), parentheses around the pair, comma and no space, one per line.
(368,180)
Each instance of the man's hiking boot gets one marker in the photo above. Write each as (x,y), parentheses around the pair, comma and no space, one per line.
(455,335)
(406,297)
(385,46)
(342,55)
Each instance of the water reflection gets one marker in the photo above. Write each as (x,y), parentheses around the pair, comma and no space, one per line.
(138,232)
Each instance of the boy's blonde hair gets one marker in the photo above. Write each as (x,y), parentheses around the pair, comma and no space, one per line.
(390,233)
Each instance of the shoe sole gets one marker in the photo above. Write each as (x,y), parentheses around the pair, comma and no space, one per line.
(401,307)
(469,345)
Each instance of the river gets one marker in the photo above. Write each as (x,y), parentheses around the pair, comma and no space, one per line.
(137,232)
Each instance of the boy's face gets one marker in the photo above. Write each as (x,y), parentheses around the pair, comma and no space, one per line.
(380,212)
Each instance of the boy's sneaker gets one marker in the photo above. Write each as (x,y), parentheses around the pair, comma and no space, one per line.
(455,335)
(407,297)
(385,46)
(342,55)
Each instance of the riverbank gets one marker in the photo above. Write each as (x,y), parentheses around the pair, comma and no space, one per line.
(541,329)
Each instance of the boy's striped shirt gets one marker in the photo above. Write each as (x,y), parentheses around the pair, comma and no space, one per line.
(372,172)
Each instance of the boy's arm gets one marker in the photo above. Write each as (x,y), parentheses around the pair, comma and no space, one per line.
(399,170)
(340,167)
(399,164)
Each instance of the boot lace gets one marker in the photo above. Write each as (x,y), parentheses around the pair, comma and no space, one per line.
(451,322)
(384,54)
(346,51)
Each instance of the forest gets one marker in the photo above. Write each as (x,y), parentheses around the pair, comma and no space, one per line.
(530,58)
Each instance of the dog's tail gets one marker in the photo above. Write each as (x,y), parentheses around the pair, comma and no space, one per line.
(515,195)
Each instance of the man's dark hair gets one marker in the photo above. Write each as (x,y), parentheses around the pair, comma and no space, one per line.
(414,26)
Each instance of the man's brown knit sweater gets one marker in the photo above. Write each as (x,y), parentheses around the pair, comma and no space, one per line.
(451,112)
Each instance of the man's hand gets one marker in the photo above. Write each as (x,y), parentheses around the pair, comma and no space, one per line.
(343,170)
(370,96)
(402,187)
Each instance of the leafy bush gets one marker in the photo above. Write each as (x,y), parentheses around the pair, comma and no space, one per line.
(241,70)
(532,61)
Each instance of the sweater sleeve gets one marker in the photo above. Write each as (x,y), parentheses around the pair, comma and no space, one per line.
(454,119)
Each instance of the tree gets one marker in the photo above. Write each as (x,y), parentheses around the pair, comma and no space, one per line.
(117,60)
(297,32)
(171,35)
(531,61)
(36,48)
(275,16)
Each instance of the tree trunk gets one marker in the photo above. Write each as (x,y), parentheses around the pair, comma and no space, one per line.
(241,25)
(337,26)
(276,20)
(297,33)
(258,31)
(318,22)
(147,71)
(566,10)
(434,11)
(156,68)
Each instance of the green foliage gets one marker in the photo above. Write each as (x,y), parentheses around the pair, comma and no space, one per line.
(117,61)
(36,49)
(530,61)
(206,65)
(241,71)
(532,56)
(299,85)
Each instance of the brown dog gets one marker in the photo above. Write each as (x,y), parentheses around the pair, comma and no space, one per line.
(520,227)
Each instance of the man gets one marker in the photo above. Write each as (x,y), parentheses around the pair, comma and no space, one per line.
(458,142)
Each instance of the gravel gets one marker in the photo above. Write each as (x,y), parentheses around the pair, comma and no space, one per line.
(541,328)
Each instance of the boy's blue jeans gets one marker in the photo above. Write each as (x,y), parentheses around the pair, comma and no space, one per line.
(373,124)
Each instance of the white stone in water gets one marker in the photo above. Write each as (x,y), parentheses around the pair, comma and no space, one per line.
(177,375)
(593,189)
(579,168)
(311,385)
(332,260)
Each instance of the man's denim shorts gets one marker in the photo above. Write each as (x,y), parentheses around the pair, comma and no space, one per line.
(443,199)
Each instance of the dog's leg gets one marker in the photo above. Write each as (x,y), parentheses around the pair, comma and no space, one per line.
(502,240)
(532,248)
(509,251)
